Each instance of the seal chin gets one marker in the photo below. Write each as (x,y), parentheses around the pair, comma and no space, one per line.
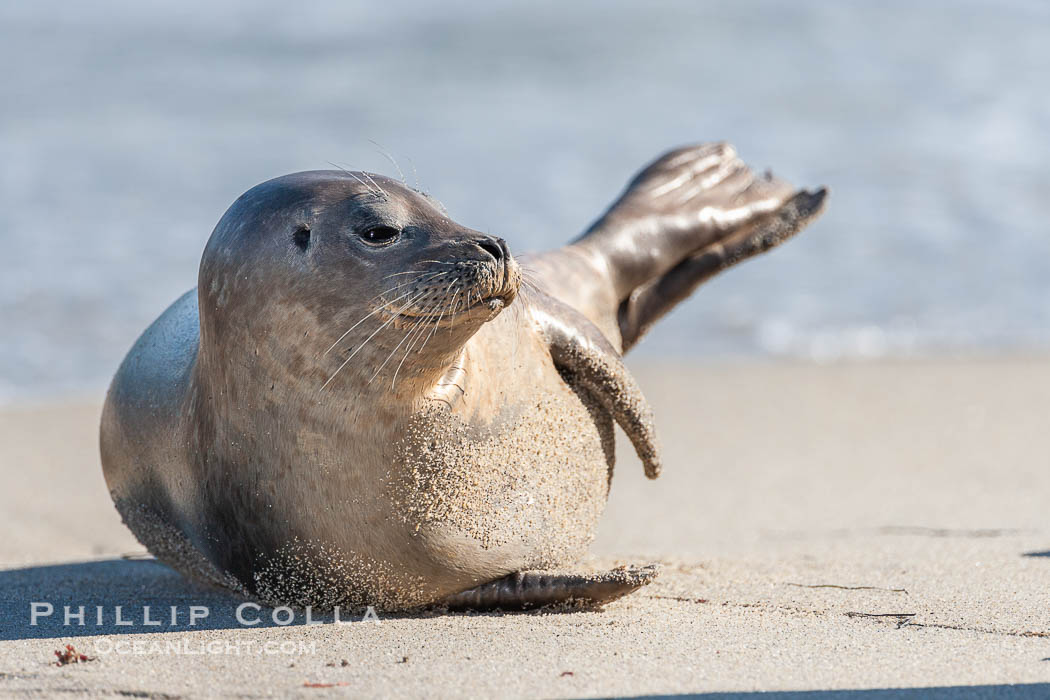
(494,306)
(494,303)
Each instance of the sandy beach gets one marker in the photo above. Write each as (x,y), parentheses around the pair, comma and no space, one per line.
(845,527)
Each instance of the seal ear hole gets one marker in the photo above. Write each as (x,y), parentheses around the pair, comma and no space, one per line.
(301,236)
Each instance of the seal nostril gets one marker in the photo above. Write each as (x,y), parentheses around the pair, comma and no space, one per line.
(492,248)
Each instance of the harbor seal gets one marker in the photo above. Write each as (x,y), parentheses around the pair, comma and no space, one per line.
(364,402)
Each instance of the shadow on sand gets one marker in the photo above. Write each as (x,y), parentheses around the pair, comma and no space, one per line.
(100,587)
(955,692)
(109,583)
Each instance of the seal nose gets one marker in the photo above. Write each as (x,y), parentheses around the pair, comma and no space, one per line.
(496,247)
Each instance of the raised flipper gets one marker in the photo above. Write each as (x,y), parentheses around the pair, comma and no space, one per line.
(581,352)
(649,302)
(679,208)
(535,589)
(681,203)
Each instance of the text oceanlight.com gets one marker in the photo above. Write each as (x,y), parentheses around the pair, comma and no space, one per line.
(192,647)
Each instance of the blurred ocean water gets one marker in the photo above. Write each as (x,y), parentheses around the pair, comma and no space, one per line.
(127,129)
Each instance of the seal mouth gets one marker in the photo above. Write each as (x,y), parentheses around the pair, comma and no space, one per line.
(467,292)
(482,309)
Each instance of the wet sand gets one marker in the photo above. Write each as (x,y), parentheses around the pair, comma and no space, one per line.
(836,527)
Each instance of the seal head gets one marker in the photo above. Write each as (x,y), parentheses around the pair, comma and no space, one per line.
(330,254)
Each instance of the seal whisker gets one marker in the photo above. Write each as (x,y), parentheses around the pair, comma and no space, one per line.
(381,295)
(528,275)
(437,324)
(354,175)
(406,283)
(434,275)
(385,195)
(366,317)
(422,329)
(525,294)
(415,175)
(367,186)
(529,284)
(452,312)
(391,353)
(409,272)
(362,345)
(414,280)
(389,157)
(419,330)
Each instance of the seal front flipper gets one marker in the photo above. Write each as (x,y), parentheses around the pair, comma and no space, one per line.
(535,589)
(581,352)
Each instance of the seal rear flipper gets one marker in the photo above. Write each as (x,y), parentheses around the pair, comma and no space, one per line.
(679,205)
(535,589)
(648,303)
(587,358)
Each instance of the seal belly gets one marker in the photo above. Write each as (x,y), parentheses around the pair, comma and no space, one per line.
(522,492)
(461,503)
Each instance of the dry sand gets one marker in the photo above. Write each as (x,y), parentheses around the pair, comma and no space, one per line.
(842,527)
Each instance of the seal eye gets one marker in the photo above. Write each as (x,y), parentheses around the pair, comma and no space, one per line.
(301,236)
(380,235)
